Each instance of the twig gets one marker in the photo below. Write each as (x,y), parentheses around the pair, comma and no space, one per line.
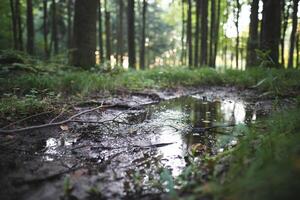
(3,131)
(29,117)
(55,118)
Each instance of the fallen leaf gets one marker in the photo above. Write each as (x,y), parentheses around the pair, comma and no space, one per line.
(64,127)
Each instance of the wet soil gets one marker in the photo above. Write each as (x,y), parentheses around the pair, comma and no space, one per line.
(119,152)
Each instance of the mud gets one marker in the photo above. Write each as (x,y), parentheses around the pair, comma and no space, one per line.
(119,152)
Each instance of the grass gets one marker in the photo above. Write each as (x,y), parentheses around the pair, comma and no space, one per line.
(265,164)
(85,82)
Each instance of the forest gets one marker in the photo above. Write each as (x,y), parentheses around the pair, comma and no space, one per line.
(149,99)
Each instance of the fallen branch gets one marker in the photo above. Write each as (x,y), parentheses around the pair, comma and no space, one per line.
(26,118)
(3,131)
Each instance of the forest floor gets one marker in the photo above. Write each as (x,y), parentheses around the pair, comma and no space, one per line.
(156,134)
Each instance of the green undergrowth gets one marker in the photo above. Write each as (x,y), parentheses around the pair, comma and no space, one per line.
(265,164)
(85,82)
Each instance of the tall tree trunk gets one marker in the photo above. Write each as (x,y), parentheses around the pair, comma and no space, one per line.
(197,32)
(189,34)
(236,22)
(100,31)
(107,33)
(293,34)
(212,31)
(84,38)
(142,51)
(120,33)
(14,25)
(19,25)
(54,27)
(204,31)
(30,28)
(216,40)
(182,33)
(271,28)
(69,21)
(252,43)
(297,51)
(285,15)
(131,34)
(45,28)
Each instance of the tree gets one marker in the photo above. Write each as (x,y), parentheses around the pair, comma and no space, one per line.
(253,42)
(54,36)
(236,22)
(120,33)
(212,31)
(183,52)
(107,32)
(189,34)
(285,18)
(45,28)
(14,25)
(100,31)
(30,28)
(131,34)
(84,38)
(143,42)
(293,34)
(271,26)
(204,31)
(217,27)
(197,32)
(69,21)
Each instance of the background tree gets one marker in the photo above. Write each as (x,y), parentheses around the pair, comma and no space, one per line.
(197,32)
(271,26)
(84,39)
(253,40)
(131,34)
(204,31)
(30,27)
(189,34)
(107,32)
(143,40)
(293,34)
(120,33)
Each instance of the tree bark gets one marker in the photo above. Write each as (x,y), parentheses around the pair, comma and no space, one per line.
(69,21)
(237,43)
(204,31)
(131,34)
(14,25)
(197,32)
(189,34)
(30,27)
(216,40)
(142,51)
(84,38)
(285,15)
(253,42)
(212,31)
(19,25)
(183,61)
(107,33)
(100,32)
(120,33)
(271,27)
(293,34)
(297,51)
(54,27)
(45,28)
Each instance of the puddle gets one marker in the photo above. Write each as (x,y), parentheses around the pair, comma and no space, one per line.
(124,155)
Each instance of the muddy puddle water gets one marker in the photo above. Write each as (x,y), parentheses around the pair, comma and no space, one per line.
(125,155)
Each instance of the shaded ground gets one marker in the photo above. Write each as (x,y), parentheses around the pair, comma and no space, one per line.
(119,152)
